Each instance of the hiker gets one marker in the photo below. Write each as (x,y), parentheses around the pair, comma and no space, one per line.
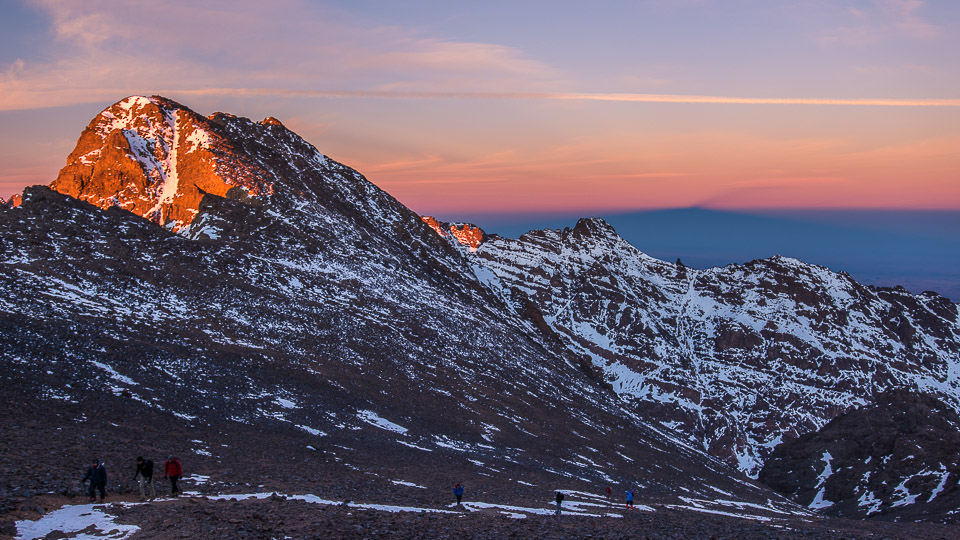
(173,470)
(629,499)
(458,492)
(145,474)
(559,501)
(609,492)
(97,474)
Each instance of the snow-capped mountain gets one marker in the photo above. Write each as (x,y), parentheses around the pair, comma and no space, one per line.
(218,288)
(297,319)
(157,158)
(737,359)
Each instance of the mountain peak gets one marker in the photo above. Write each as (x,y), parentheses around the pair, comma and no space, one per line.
(14,201)
(593,227)
(271,121)
(156,158)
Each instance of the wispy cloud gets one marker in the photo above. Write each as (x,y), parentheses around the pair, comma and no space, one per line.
(905,17)
(580,96)
(879,21)
(107,49)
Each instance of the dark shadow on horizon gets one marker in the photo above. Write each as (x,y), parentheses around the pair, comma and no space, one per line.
(919,250)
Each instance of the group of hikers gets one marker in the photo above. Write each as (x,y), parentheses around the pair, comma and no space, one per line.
(97,475)
(173,471)
(458,493)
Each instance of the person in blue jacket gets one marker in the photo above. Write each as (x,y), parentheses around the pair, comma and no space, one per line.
(629,499)
(458,492)
(97,474)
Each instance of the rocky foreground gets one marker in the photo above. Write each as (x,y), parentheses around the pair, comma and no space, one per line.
(277,516)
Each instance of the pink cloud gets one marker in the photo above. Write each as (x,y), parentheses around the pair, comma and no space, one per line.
(108,49)
(578,96)
(884,20)
(906,19)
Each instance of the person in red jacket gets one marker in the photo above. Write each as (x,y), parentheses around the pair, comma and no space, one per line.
(173,470)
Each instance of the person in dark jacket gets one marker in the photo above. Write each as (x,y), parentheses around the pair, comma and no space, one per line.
(97,474)
(458,492)
(145,473)
(173,470)
(559,501)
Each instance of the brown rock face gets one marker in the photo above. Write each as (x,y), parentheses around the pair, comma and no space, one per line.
(156,158)
(434,224)
(271,121)
(468,235)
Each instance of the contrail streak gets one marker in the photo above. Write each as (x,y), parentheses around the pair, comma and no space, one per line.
(583,96)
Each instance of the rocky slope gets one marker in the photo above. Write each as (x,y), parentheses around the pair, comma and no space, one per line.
(277,516)
(898,458)
(737,359)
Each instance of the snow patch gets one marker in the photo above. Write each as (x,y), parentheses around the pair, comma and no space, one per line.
(408,484)
(818,501)
(112,373)
(371,418)
(312,431)
(75,521)
(285,403)
(415,446)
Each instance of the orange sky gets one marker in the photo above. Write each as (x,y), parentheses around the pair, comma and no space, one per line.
(452,107)
(630,156)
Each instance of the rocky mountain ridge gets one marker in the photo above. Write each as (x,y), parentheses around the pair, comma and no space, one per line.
(738,359)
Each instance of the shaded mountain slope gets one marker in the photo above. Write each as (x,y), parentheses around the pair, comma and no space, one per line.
(896,459)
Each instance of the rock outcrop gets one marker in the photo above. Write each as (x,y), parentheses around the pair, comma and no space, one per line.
(157,158)
(465,234)
(896,459)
